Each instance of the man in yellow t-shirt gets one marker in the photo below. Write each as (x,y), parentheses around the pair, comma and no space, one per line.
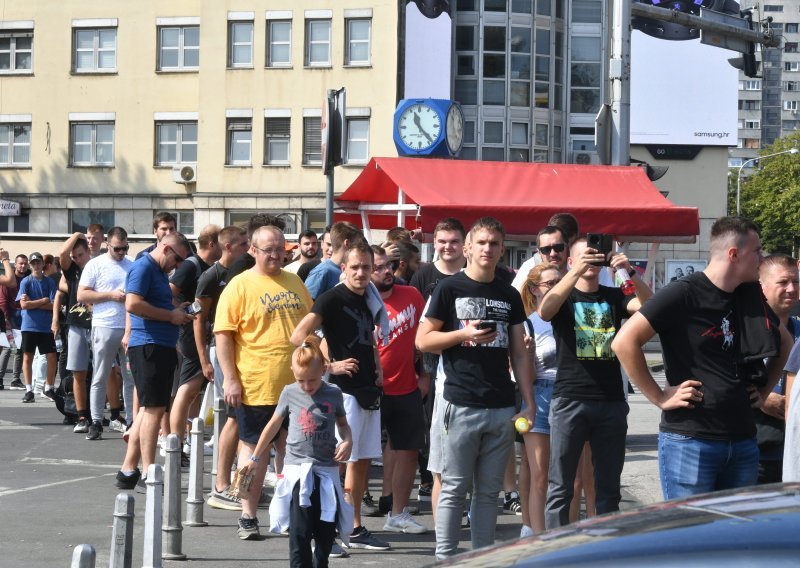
(256,315)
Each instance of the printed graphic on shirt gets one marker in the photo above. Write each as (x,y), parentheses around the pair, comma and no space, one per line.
(363,324)
(485,310)
(283,300)
(309,425)
(403,322)
(594,330)
(725,331)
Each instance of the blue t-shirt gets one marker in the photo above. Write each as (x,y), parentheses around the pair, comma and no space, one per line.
(147,280)
(37,320)
(324,277)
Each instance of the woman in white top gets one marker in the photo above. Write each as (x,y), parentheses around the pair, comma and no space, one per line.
(542,346)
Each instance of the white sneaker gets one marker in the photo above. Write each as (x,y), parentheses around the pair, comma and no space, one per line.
(403,523)
(271,479)
(525,532)
(162,443)
(117,425)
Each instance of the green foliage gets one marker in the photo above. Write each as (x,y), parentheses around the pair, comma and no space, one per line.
(771,196)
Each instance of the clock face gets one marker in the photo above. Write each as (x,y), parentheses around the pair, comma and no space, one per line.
(419,126)
(455,128)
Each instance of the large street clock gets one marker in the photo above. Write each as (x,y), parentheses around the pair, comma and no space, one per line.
(428,127)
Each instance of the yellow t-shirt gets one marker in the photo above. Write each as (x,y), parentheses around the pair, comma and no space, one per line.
(262,311)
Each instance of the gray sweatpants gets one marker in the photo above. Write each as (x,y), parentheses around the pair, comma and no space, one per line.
(106,344)
(476,444)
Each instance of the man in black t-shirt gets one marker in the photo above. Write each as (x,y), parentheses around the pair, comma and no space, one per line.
(707,437)
(588,402)
(73,256)
(184,284)
(475,320)
(348,324)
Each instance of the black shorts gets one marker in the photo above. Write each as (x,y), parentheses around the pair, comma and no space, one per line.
(404,420)
(253,419)
(153,367)
(31,340)
(190,369)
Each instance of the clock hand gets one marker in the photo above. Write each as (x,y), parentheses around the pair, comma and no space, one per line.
(419,127)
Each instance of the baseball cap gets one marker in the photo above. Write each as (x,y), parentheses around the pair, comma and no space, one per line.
(35,256)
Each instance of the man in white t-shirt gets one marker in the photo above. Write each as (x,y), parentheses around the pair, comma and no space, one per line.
(102,284)
(308,243)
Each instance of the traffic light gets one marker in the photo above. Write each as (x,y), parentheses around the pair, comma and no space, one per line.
(677,32)
(432,8)
(747,61)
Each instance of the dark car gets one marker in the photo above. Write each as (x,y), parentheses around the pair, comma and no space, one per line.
(753,526)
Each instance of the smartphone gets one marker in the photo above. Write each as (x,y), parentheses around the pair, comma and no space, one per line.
(486,324)
(194,308)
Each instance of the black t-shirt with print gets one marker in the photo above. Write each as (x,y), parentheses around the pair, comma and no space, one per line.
(78,314)
(185,278)
(697,325)
(584,328)
(348,327)
(477,375)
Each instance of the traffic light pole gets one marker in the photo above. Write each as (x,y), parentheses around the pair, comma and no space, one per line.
(620,62)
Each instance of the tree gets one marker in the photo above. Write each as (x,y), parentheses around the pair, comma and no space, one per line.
(771,196)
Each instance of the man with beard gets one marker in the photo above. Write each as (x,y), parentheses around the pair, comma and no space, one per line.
(309,247)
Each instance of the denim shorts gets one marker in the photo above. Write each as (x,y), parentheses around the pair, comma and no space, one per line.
(542,394)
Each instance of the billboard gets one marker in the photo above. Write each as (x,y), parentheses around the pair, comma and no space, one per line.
(682,92)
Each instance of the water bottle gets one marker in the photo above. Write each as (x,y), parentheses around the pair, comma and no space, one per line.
(628,287)
(59,345)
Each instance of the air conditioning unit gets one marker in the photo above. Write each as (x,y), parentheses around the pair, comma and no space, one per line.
(184,174)
(586,158)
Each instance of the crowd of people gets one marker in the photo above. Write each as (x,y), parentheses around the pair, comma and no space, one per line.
(331,352)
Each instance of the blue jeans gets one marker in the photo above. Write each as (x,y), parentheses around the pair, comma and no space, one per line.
(689,466)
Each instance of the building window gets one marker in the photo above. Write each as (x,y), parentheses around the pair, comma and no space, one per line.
(179,48)
(279,44)
(95,50)
(92,144)
(318,43)
(791,28)
(791,85)
(276,143)
(791,105)
(18,224)
(750,85)
(176,143)
(752,124)
(357,141)
(750,143)
(185,221)
(16,52)
(240,44)
(749,105)
(791,65)
(312,140)
(358,42)
(790,47)
(240,137)
(586,73)
(80,219)
(735,162)
(15,144)
(773,7)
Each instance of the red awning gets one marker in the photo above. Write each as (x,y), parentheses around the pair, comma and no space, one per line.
(620,200)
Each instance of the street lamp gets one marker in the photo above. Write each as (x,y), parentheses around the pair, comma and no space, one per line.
(739,175)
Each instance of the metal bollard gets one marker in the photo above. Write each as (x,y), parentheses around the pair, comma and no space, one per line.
(83,556)
(152,516)
(219,422)
(122,533)
(171,528)
(194,500)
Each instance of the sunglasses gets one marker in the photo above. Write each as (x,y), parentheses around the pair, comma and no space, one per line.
(550,248)
(123,248)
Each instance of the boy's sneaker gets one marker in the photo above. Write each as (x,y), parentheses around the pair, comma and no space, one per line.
(95,431)
(224,500)
(369,508)
(50,394)
(512,504)
(28,397)
(16,384)
(117,425)
(248,528)
(424,492)
(128,481)
(362,538)
(403,523)
(82,427)
(337,551)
